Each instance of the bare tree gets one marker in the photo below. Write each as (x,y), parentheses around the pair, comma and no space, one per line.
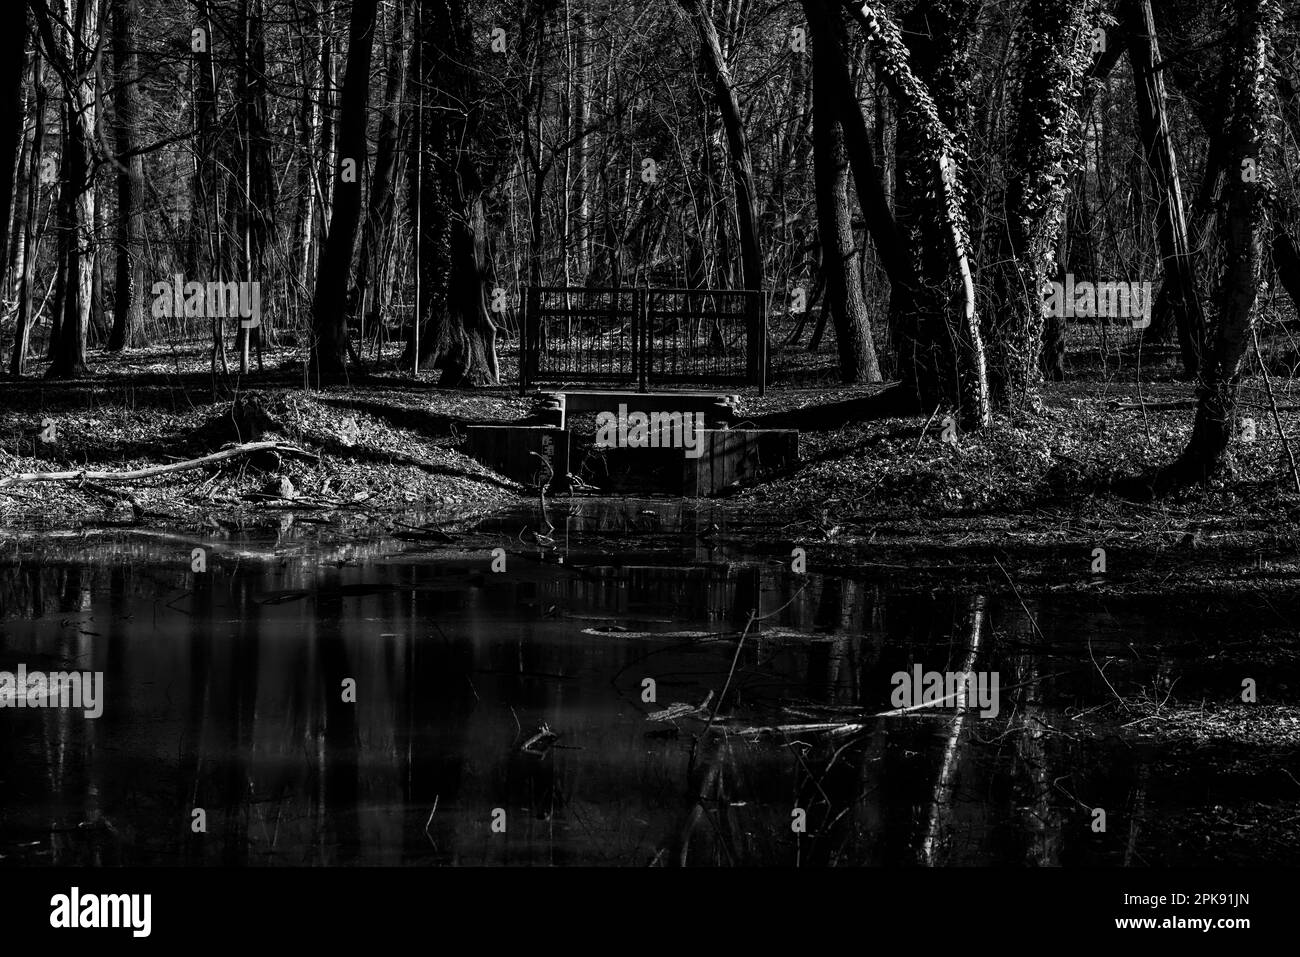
(380,204)
(12,55)
(1181,298)
(72,43)
(329,318)
(840,256)
(31,201)
(742,165)
(128,292)
(1253,142)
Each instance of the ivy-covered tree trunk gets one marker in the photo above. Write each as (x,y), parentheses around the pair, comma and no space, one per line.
(1252,136)
(1053,50)
(939,341)
(1078,245)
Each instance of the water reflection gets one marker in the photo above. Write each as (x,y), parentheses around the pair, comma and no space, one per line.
(229,693)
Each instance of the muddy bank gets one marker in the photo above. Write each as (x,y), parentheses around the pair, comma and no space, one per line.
(376,450)
(1029,503)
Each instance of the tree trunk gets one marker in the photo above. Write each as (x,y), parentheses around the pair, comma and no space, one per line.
(18,214)
(13,65)
(844,298)
(309,118)
(206,225)
(72,44)
(77,222)
(379,213)
(742,167)
(1286,251)
(257,186)
(1252,136)
(329,317)
(1286,257)
(128,291)
(26,290)
(831,76)
(98,332)
(581,119)
(1053,53)
(325,157)
(456,333)
(940,345)
(1183,297)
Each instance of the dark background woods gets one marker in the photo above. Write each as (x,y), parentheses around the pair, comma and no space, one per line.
(899,179)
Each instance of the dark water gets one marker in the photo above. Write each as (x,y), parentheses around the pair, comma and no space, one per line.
(224,691)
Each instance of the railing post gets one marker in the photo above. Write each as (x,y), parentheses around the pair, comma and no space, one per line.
(634,326)
(528,339)
(641,309)
(523,340)
(756,338)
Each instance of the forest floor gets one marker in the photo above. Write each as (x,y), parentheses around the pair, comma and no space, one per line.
(1028,501)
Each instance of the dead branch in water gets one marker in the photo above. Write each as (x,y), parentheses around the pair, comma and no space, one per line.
(137,474)
(541,492)
(682,710)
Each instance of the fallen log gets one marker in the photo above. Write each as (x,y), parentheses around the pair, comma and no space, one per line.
(136,475)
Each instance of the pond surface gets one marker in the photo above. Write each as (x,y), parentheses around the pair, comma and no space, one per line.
(502,717)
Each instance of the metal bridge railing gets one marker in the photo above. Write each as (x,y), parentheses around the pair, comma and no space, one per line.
(641,337)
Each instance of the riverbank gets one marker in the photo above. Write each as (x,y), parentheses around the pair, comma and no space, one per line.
(1031,500)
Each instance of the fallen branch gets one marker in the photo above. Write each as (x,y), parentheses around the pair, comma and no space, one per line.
(1124,406)
(681,710)
(833,727)
(541,742)
(138,474)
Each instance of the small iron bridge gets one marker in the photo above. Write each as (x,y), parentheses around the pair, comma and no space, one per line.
(641,338)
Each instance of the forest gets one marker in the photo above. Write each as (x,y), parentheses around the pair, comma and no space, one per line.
(952,211)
